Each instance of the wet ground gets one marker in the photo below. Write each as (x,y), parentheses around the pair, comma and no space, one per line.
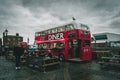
(66,71)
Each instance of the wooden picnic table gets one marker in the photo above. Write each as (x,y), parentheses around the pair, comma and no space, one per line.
(115,60)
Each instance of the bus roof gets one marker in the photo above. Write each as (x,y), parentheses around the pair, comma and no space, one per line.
(77,25)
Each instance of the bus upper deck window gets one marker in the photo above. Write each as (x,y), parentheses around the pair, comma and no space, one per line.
(36,34)
(41,33)
(52,31)
(84,27)
(69,27)
(59,29)
(48,31)
(55,30)
(44,32)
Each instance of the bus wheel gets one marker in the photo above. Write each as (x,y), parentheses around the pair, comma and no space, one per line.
(61,57)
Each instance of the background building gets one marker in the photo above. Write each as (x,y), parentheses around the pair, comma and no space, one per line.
(11,40)
(106,39)
(0,46)
(105,44)
(0,41)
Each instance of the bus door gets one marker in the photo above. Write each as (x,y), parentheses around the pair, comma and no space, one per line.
(73,49)
(70,49)
(86,48)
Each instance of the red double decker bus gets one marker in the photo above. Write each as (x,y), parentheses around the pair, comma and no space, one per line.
(71,41)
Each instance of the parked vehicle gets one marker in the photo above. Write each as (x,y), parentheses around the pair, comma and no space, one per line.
(71,41)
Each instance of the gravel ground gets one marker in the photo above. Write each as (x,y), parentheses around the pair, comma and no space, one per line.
(66,71)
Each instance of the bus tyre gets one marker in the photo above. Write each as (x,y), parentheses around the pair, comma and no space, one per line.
(61,57)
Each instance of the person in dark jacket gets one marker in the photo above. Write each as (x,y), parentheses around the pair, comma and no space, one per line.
(18,52)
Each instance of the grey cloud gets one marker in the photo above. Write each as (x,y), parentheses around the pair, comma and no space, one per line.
(117,15)
(63,9)
(66,8)
(108,5)
(99,14)
(115,24)
(37,3)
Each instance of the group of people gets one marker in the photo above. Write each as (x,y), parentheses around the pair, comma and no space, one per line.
(18,52)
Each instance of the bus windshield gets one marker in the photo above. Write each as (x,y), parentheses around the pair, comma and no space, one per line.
(84,27)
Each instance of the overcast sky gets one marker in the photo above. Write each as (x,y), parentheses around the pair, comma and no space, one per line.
(28,16)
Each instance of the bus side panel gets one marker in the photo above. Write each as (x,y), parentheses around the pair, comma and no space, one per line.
(65,52)
(86,54)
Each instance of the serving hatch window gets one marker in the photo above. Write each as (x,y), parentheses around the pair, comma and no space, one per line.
(58,45)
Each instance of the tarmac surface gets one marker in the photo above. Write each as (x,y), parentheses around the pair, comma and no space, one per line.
(67,71)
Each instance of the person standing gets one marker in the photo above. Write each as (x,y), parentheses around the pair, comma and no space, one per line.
(18,52)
